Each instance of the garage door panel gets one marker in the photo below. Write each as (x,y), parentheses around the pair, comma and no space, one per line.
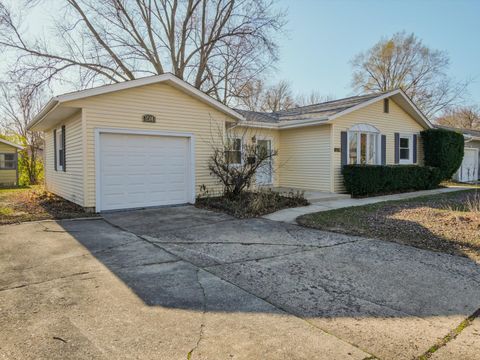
(143,170)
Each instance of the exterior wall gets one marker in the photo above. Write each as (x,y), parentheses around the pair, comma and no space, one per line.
(305,158)
(248,133)
(67,184)
(174,111)
(8,177)
(396,121)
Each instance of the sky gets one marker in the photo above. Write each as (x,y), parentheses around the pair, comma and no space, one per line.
(322,37)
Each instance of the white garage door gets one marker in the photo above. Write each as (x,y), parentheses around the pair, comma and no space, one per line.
(143,170)
(468,171)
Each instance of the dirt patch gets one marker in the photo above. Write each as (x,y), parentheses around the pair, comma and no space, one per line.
(449,222)
(34,203)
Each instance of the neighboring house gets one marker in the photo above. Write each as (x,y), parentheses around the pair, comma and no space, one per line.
(469,170)
(9,163)
(147,142)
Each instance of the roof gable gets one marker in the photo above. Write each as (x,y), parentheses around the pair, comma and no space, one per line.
(52,112)
(331,110)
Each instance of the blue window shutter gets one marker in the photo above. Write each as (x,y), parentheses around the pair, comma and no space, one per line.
(397,148)
(384,150)
(55,149)
(414,148)
(64,167)
(344,149)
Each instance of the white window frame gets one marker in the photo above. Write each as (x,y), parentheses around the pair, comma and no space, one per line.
(59,143)
(408,161)
(367,130)
(241,150)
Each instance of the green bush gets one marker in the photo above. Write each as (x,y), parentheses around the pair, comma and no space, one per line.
(443,149)
(367,180)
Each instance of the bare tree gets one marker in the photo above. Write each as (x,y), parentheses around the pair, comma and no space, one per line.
(314,97)
(465,117)
(216,45)
(278,97)
(235,161)
(17,108)
(257,96)
(403,61)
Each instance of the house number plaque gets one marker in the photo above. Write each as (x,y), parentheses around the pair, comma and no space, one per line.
(149,118)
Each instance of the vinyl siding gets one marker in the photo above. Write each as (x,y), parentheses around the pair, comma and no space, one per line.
(248,133)
(397,120)
(174,111)
(67,184)
(305,158)
(8,177)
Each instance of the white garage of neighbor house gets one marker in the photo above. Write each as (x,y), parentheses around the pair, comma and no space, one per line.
(140,143)
(469,170)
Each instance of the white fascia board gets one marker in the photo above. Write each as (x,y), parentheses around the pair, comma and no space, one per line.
(11,144)
(286,125)
(50,106)
(167,77)
(425,121)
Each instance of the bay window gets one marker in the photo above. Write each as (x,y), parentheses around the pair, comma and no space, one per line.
(364,145)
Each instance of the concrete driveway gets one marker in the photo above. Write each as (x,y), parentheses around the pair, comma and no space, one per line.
(181,283)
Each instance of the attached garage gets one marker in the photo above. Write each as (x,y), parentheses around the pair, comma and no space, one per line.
(141,143)
(143,169)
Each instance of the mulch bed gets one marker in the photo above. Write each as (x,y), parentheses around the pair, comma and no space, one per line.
(252,204)
(30,204)
(441,222)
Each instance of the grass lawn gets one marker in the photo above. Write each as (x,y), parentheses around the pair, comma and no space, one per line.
(448,222)
(34,203)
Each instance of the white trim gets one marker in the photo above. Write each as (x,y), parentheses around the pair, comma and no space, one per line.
(410,149)
(365,128)
(381,97)
(59,145)
(377,148)
(190,165)
(6,142)
(167,77)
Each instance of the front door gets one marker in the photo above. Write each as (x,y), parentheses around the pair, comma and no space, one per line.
(264,172)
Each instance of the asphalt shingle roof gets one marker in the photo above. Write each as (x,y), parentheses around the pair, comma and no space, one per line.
(324,109)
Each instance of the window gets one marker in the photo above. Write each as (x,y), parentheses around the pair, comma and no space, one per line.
(233,154)
(60,148)
(386,106)
(406,149)
(364,145)
(7,161)
(60,156)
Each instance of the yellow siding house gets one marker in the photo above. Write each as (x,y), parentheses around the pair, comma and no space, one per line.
(147,142)
(9,163)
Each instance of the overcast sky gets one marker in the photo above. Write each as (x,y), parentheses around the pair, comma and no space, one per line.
(322,36)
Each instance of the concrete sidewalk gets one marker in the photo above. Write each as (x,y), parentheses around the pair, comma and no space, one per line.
(289,215)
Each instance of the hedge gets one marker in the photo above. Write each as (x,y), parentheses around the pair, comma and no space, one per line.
(366,180)
(443,149)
